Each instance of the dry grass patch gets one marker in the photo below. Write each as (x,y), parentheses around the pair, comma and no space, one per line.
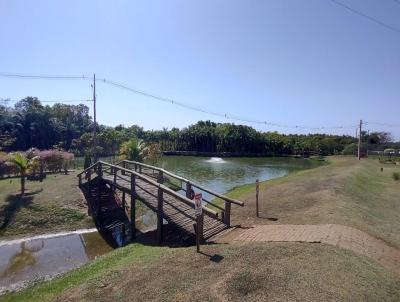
(255,272)
(347,192)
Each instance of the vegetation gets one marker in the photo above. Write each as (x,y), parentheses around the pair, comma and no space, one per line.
(69,127)
(396,175)
(55,204)
(223,273)
(132,150)
(35,162)
(22,163)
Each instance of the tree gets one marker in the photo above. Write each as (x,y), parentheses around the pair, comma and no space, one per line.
(132,150)
(22,163)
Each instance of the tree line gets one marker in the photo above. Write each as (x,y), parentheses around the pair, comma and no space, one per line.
(29,124)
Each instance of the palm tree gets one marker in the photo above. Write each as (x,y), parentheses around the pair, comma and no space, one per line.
(132,150)
(22,163)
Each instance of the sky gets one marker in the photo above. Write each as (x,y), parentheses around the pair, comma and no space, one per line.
(289,62)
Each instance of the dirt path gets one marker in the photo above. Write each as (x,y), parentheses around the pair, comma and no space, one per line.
(332,234)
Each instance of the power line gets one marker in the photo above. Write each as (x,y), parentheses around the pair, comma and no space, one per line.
(387,26)
(44,77)
(223,115)
(383,124)
(61,101)
(173,102)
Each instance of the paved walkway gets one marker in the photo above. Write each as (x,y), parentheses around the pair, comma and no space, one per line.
(337,235)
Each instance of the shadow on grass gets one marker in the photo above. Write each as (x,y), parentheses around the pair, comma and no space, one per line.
(13,204)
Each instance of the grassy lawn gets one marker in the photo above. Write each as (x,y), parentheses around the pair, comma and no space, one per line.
(347,191)
(273,272)
(49,206)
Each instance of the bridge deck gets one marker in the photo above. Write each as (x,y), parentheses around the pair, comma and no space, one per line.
(174,211)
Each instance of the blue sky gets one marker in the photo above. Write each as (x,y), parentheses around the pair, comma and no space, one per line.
(287,62)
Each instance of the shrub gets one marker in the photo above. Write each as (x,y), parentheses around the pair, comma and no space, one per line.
(396,175)
(51,160)
(67,160)
(56,160)
(350,149)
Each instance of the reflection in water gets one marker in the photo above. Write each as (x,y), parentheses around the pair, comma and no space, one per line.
(25,257)
(95,245)
(41,259)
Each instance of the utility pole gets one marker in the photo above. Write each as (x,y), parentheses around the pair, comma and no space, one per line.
(359,141)
(94,119)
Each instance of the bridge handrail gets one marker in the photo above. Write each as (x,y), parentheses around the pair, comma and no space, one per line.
(223,197)
(155,183)
(87,169)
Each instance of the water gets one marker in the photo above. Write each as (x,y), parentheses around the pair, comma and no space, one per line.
(223,174)
(43,258)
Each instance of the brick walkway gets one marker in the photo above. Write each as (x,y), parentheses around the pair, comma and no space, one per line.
(337,235)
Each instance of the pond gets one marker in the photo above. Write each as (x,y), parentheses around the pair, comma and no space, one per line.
(223,174)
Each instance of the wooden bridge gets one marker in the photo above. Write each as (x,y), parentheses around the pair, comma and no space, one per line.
(165,193)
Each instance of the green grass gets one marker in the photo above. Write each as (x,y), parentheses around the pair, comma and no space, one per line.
(91,274)
(255,272)
(55,204)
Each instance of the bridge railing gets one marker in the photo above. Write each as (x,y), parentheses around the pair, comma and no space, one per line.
(183,184)
(102,167)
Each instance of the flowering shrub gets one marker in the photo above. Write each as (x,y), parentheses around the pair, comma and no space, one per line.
(40,161)
(56,160)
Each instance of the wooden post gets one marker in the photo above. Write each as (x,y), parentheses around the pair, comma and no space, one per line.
(123,200)
(140,169)
(115,178)
(133,206)
(196,229)
(99,170)
(80,179)
(160,215)
(200,224)
(98,206)
(188,190)
(88,183)
(160,178)
(257,190)
(135,165)
(123,166)
(227,213)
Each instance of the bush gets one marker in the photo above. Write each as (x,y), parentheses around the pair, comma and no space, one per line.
(350,149)
(51,159)
(56,160)
(396,175)
(67,160)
